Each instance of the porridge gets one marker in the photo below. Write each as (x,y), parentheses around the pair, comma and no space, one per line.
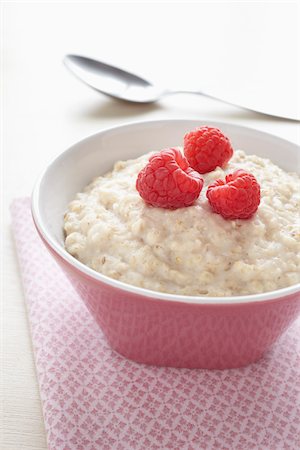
(189,250)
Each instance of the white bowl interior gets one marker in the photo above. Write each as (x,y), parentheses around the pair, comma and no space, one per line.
(74,169)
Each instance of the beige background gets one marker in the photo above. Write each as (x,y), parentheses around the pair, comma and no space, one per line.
(248,49)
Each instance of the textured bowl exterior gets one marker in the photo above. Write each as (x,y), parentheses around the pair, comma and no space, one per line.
(147,327)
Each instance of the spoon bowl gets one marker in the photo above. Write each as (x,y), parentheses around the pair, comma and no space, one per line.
(113,81)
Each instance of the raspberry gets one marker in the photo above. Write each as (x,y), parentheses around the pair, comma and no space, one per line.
(168,181)
(236,198)
(207,148)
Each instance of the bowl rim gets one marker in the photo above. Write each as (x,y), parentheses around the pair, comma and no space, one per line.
(155,295)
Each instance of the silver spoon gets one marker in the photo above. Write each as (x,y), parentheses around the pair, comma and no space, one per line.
(123,85)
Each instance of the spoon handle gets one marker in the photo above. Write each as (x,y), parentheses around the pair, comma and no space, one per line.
(170,92)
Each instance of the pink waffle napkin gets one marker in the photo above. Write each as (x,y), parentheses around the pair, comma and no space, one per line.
(93,398)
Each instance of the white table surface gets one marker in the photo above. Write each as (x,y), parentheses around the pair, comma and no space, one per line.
(248,48)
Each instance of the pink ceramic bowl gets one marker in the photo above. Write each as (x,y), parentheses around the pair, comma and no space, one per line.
(148,326)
